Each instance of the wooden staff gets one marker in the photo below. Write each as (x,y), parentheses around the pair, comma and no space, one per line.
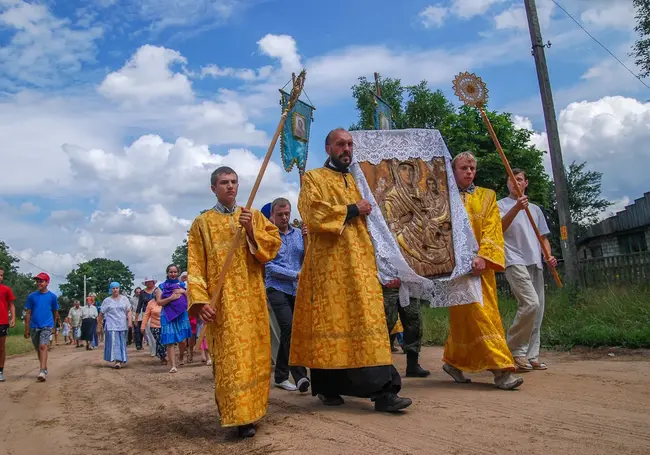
(545,251)
(298,84)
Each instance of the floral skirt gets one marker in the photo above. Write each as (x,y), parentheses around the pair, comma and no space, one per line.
(161,350)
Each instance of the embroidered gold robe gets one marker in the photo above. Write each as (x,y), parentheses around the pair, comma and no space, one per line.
(239,340)
(477,340)
(339,320)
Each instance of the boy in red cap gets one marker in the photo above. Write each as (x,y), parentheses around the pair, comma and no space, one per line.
(6,306)
(41,307)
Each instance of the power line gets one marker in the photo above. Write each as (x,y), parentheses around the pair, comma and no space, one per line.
(13,253)
(600,44)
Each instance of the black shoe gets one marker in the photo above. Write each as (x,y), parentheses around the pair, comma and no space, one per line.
(246,431)
(303,385)
(391,403)
(336,400)
(416,371)
(413,368)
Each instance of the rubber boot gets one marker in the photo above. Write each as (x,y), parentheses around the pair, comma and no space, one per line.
(413,368)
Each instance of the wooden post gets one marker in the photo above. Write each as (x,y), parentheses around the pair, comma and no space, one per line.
(377,86)
(547,254)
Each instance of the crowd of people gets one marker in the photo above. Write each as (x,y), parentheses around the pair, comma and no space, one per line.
(321,284)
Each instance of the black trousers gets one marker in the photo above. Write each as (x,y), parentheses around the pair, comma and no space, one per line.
(137,334)
(411,317)
(282,305)
(365,382)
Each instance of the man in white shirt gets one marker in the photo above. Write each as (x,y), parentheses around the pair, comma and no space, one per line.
(525,273)
(75,319)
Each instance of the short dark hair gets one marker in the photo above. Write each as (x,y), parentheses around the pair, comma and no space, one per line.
(280,202)
(137,289)
(516,171)
(220,171)
(328,138)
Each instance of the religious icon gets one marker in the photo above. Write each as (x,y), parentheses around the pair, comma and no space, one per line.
(414,200)
(384,122)
(299,127)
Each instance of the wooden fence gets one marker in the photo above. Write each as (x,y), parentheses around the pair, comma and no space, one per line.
(624,269)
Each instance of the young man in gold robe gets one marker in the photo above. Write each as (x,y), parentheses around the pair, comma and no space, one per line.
(238,328)
(477,340)
(339,323)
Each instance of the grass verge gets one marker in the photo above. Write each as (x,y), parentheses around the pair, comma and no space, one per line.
(615,316)
(16,342)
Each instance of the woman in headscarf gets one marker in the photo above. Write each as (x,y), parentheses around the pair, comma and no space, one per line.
(152,317)
(116,309)
(174,320)
(88,321)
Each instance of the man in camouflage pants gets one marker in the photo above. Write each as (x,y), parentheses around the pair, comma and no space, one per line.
(411,317)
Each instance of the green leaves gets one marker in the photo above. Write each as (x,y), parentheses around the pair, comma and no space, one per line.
(100,272)
(641,49)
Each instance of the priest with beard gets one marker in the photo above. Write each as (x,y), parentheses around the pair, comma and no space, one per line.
(339,322)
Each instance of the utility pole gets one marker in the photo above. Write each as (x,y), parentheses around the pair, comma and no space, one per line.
(85,293)
(569,252)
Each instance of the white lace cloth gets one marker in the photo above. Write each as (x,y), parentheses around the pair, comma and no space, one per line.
(457,289)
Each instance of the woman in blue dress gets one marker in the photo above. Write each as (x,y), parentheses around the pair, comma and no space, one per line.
(174,320)
(116,310)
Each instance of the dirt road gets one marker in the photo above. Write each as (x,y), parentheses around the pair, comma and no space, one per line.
(584,404)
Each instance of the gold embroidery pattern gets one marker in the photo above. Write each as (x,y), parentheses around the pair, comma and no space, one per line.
(476,338)
(239,340)
(339,319)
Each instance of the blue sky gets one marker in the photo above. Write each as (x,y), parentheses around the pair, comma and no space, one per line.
(114,112)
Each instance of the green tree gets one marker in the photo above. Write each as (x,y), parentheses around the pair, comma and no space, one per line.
(466,131)
(179,257)
(100,272)
(641,49)
(426,109)
(462,129)
(21,284)
(391,91)
(585,201)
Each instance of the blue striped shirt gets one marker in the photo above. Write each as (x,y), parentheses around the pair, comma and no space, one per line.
(282,272)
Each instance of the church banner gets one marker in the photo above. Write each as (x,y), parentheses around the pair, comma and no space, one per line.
(294,140)
(383,115)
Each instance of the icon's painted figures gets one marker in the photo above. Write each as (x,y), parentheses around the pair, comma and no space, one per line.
(417,212)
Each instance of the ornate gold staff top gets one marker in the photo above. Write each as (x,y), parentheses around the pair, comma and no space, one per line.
(473,92)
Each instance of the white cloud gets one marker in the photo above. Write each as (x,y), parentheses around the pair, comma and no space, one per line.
(617,206)
(42,47)
(148,77)
(612,134)
(434,16)
(65,217)
(155,221)
(245,74)
(512,18)
(466,9)
(282,47)
(180,172)
(176,13)
(515,16)
(29,208)
(610,14)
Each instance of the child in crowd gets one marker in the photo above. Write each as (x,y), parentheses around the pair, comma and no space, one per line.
(67,337)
